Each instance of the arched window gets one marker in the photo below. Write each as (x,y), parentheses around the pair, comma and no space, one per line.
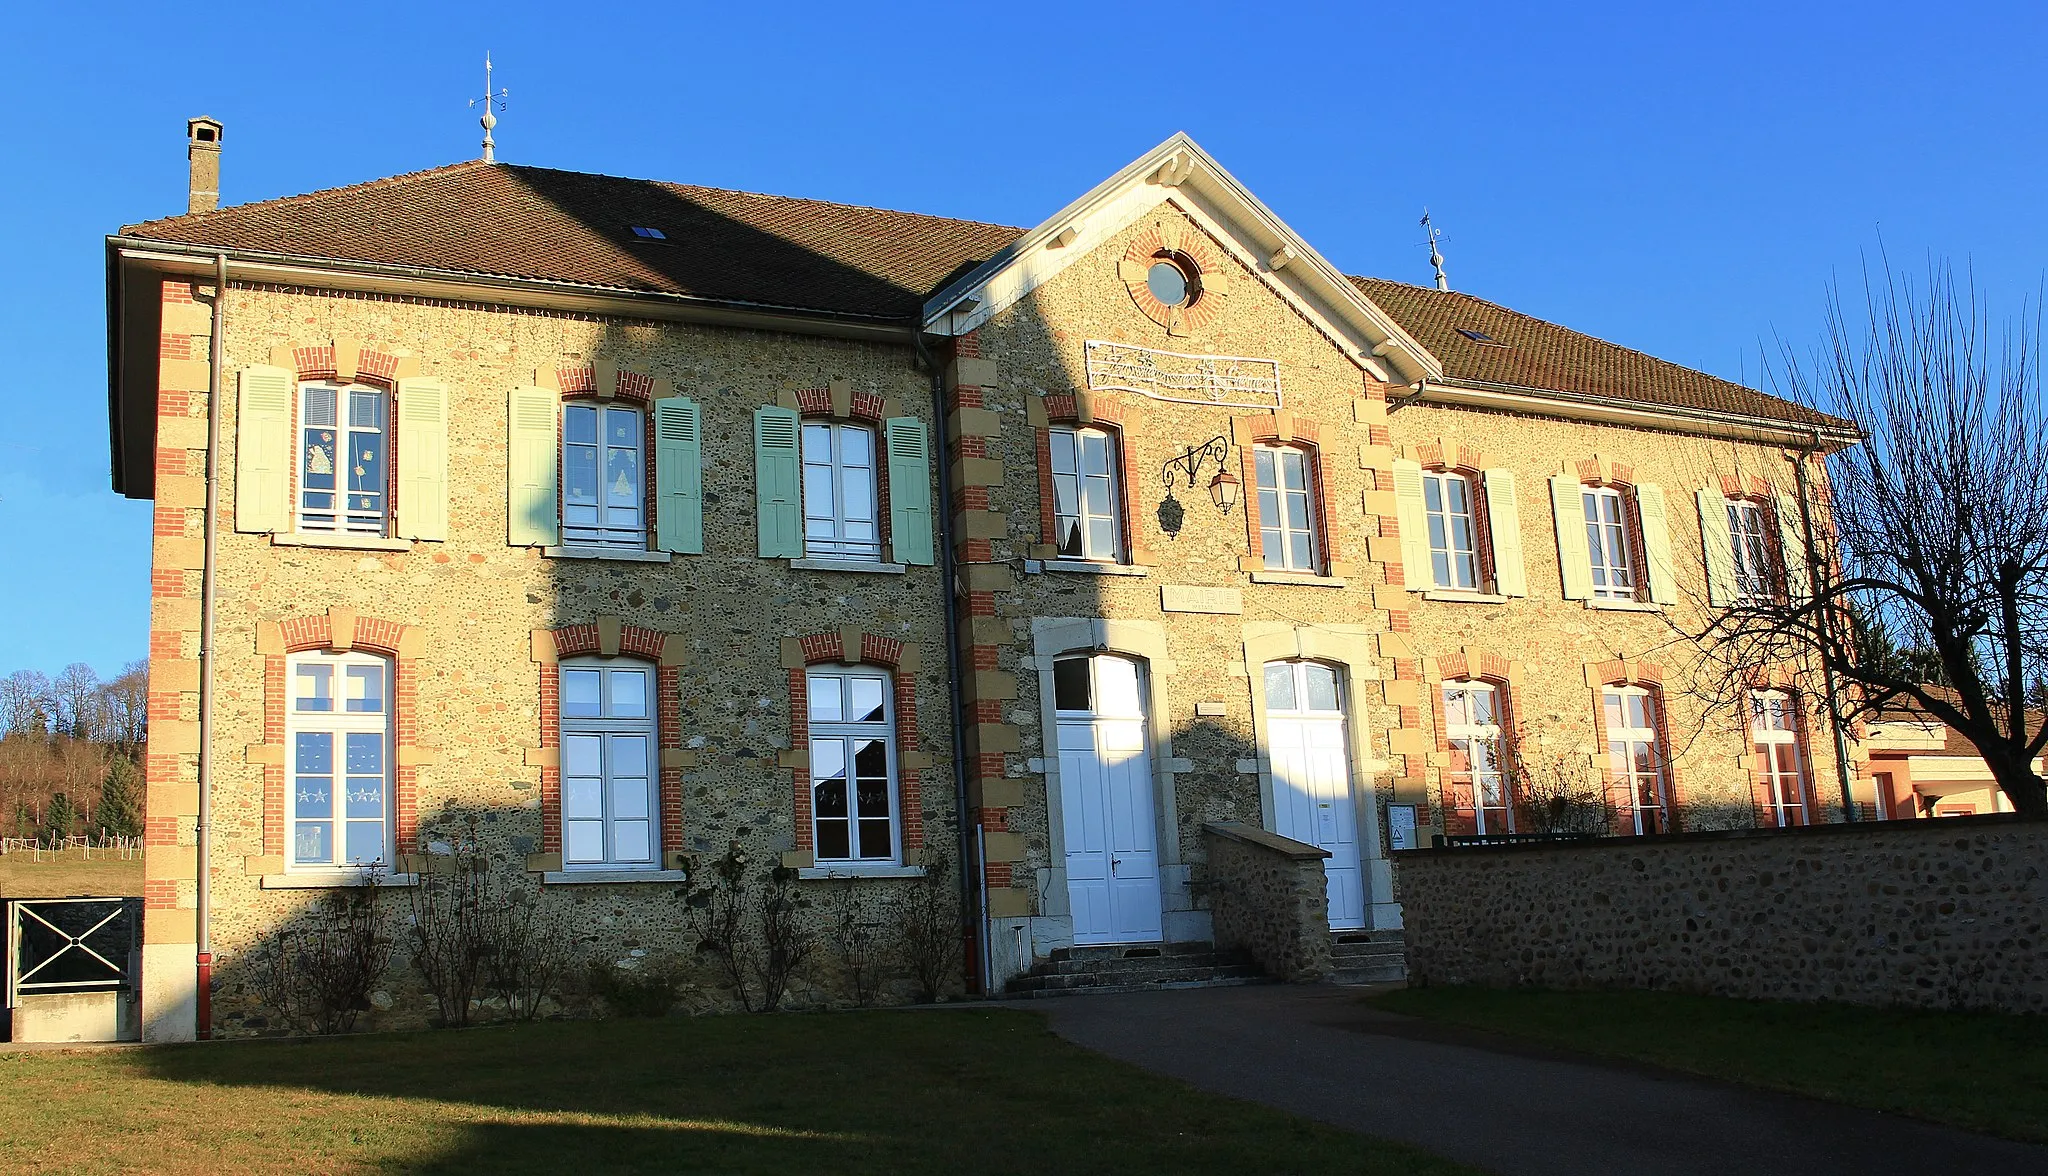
(1287,523)
(1610,542)
(840,511)
(1635,757)
(344,458)
(1448,505)
(1086,498)
(338,735)
(603,476)
(1473,722)
(1774,733)
(1749,537)
(853,764)
(609,762)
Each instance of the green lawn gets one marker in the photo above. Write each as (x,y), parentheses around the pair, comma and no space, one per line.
(66,874)
(1982,1071)
(944,1091)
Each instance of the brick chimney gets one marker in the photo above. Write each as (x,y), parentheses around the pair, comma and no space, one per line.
(202,147)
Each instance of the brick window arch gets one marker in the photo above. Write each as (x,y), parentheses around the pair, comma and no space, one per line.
(607,637)
(1085,411)
(852,647)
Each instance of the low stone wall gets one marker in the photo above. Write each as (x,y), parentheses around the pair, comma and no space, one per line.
(1943,914)
(1268,896)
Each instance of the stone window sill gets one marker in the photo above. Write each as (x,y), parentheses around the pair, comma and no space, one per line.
(845,872)
(630,554)
(1300,579)
(870,567)
(1093,568)
(336,880)
(592,877)
(1625,605)
(1459,596)
(340,540)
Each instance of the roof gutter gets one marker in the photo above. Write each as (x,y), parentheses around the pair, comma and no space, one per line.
(1615,410)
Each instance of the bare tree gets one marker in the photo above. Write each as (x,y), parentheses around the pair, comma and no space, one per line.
(127,707)
(26,704)
(1923,577)
(81,705)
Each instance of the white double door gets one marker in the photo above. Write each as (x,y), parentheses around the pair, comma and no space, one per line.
(1312,797)
(1106,801)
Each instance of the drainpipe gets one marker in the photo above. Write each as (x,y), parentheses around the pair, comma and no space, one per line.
(203,829)
(1827,661)
(975,928)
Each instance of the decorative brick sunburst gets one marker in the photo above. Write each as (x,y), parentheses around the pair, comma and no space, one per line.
(1200,262)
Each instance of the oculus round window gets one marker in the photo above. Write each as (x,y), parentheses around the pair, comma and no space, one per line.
(1168,283)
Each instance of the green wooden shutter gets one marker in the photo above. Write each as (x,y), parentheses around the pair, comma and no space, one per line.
(533,419)
(1654,518)
(263,448)
(1719,545)
(1574,562)
(678,476)
(1505,520)
(422,459)
(1409,515)
(778,482)
(910,490)
(1792,548)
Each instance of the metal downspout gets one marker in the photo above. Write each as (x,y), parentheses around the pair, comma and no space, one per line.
(1827,661)
(203,830)
(972,905)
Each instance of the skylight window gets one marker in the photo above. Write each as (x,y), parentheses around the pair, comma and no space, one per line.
(1476,335)
(647,234)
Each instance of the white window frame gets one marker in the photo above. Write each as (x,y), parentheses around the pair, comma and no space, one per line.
(1276,534)
(1481,744)
(1077,487)
(1610,542)
(338,517)
(1774,738)
(830,527)
(338,724)
(836,741)
(1749,536)
(609,730)
(607,524)
(1622,764)
(1446,558)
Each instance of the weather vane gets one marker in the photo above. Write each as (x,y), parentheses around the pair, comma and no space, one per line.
(489,120)
(1436,259)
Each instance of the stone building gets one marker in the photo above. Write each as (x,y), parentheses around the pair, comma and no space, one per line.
(622,520)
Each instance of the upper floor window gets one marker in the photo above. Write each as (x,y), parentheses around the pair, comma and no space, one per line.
(1286,510)
(608,765)
(840,512)
(1609,542)
(1447,501)
(1773,729)
(603,474)
(1085,494)
(1635,756)
(344,458)
(1472,729)
(853,765)
(338,730)
(1752,549)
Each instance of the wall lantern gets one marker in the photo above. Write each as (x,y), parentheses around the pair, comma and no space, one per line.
(1186,469)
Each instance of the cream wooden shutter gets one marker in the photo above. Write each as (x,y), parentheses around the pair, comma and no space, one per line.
(1654,518)
(263,448)
(678,476)
(910,490)
(1792,548)
(1719,545)
(1574,563)
(422,459)
(1509,578)
(778,484)
(533,419)
(1413,520)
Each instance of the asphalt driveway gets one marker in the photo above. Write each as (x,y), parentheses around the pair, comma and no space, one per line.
(1502,1105)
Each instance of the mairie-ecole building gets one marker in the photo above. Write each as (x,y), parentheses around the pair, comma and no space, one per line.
(630,518)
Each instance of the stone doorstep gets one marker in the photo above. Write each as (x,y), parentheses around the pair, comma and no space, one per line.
(1161,964)
(1132,951)
(1113,989)
(1041,986)
(1383,974)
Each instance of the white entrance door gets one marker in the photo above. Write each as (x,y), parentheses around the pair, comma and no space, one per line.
(1112,852)
(1311,757)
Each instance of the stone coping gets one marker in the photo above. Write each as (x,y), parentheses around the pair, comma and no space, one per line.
(1940,826)
(1253,835)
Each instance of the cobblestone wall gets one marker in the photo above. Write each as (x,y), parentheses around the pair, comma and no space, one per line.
(1268,895)
(1940,914)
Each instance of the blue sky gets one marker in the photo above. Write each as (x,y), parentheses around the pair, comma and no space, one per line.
(1681,178)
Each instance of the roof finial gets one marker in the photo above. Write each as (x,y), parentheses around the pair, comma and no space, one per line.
(489,120)
(1436,259)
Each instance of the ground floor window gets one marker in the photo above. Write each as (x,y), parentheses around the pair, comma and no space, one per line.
(853,765)
(1635,757)
(1472,728)
(608,765)
(1774,734)
(338,731)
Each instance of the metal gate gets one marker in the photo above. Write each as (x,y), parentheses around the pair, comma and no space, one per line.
(72,968)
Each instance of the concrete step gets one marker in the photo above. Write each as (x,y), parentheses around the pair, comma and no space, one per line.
(1142,966)
(1016,993)
(1183,976)
(1368,957)
(1388,973)
(1131,951)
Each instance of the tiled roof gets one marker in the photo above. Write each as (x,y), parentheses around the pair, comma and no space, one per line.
(776,251)
(1530,353)
(531,222)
